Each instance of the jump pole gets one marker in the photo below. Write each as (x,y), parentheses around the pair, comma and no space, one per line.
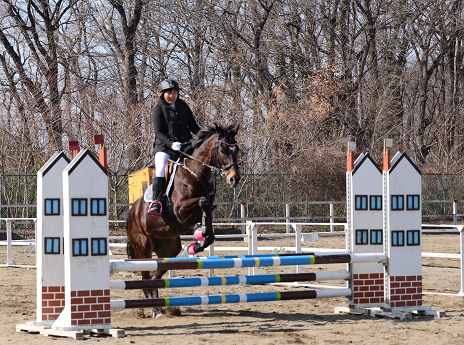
(151,265)
(233,298)
(229,280)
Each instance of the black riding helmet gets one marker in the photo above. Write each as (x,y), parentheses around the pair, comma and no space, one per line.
(168,84)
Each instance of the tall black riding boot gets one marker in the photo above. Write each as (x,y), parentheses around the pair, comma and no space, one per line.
(158,185)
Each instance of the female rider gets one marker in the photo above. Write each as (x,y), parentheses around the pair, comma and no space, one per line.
(173,123)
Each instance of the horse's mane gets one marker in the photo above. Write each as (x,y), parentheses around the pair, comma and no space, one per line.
(206,133)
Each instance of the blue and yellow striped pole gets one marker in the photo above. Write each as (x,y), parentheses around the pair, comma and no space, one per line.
(151,265)
(230,280)
(233,298)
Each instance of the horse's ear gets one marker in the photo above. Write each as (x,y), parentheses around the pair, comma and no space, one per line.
(236,129)
(219,130)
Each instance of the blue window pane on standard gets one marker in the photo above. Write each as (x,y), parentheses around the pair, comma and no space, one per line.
(359,237)
(379,202)
(410,202)
(49,245)
(365,237)
(76,207)
(400,202)
(394,203)
(83,248)
(379,237)
(358,202)
(102,246)
(416,202)
(83,206)
(48,207)
(56,245)
(94,206)
(416,237)
(56,207)
(400,239)
(77,248)
(102,210)
(395,238)
(95,247)
(364,203)
(373,206)
(410,237)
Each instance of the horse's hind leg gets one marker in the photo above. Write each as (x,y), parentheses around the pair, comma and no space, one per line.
(141,249)
(164,249)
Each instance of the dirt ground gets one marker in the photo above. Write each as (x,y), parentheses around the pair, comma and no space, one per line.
(284,322)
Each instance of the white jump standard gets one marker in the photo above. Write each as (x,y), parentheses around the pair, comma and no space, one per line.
(384,214)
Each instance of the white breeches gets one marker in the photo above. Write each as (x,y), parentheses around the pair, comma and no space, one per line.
(160,162)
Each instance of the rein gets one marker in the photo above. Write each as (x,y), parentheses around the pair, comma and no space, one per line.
(217,158)
(214,169)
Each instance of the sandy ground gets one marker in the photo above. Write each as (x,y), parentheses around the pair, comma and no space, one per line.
(283,322)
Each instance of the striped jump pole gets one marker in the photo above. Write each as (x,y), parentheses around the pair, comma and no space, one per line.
(233,298)
(226,257)
(230,280)
(151,265)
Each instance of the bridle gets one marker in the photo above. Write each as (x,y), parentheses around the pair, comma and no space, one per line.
(220,161)
(219,169)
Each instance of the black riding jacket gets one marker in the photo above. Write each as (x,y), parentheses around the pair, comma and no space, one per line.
(172,124)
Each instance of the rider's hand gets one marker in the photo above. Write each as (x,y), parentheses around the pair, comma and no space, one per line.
(176,146)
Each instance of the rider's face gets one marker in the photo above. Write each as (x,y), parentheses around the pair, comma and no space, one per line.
(171,96)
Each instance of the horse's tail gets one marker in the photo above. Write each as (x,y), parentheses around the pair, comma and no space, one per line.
(129,247)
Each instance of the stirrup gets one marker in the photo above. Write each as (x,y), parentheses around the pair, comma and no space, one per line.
(155,213)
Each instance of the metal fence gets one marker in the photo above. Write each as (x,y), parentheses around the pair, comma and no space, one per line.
(266,197)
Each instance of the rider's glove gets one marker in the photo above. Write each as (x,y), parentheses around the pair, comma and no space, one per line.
(176,146)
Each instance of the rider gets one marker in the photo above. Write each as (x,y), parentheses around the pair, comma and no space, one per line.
(173,123)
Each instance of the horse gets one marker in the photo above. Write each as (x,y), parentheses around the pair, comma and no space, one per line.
(190,201)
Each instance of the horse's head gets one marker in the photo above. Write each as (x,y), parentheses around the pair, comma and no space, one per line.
(227,151)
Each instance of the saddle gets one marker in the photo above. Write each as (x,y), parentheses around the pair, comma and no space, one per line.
(169,176)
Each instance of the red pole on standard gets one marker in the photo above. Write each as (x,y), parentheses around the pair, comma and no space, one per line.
(387,144)
(350,156)
(73,146)
(98,140)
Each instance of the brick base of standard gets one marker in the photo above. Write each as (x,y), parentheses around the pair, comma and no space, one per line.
(405,291)
(90,307)
(52,302)
(368,289)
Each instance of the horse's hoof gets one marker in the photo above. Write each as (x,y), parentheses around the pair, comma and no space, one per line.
(198,234)
(155,312)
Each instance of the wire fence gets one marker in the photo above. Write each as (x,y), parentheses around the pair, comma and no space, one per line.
(266,197)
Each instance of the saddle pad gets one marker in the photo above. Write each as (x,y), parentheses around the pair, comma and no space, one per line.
(148,195)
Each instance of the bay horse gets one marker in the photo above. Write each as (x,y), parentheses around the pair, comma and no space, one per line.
(189,202)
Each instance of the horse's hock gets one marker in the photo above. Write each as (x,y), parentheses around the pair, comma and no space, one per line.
(383,240)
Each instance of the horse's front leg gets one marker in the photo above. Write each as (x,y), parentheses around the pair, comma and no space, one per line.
(206,219)
(206,234)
